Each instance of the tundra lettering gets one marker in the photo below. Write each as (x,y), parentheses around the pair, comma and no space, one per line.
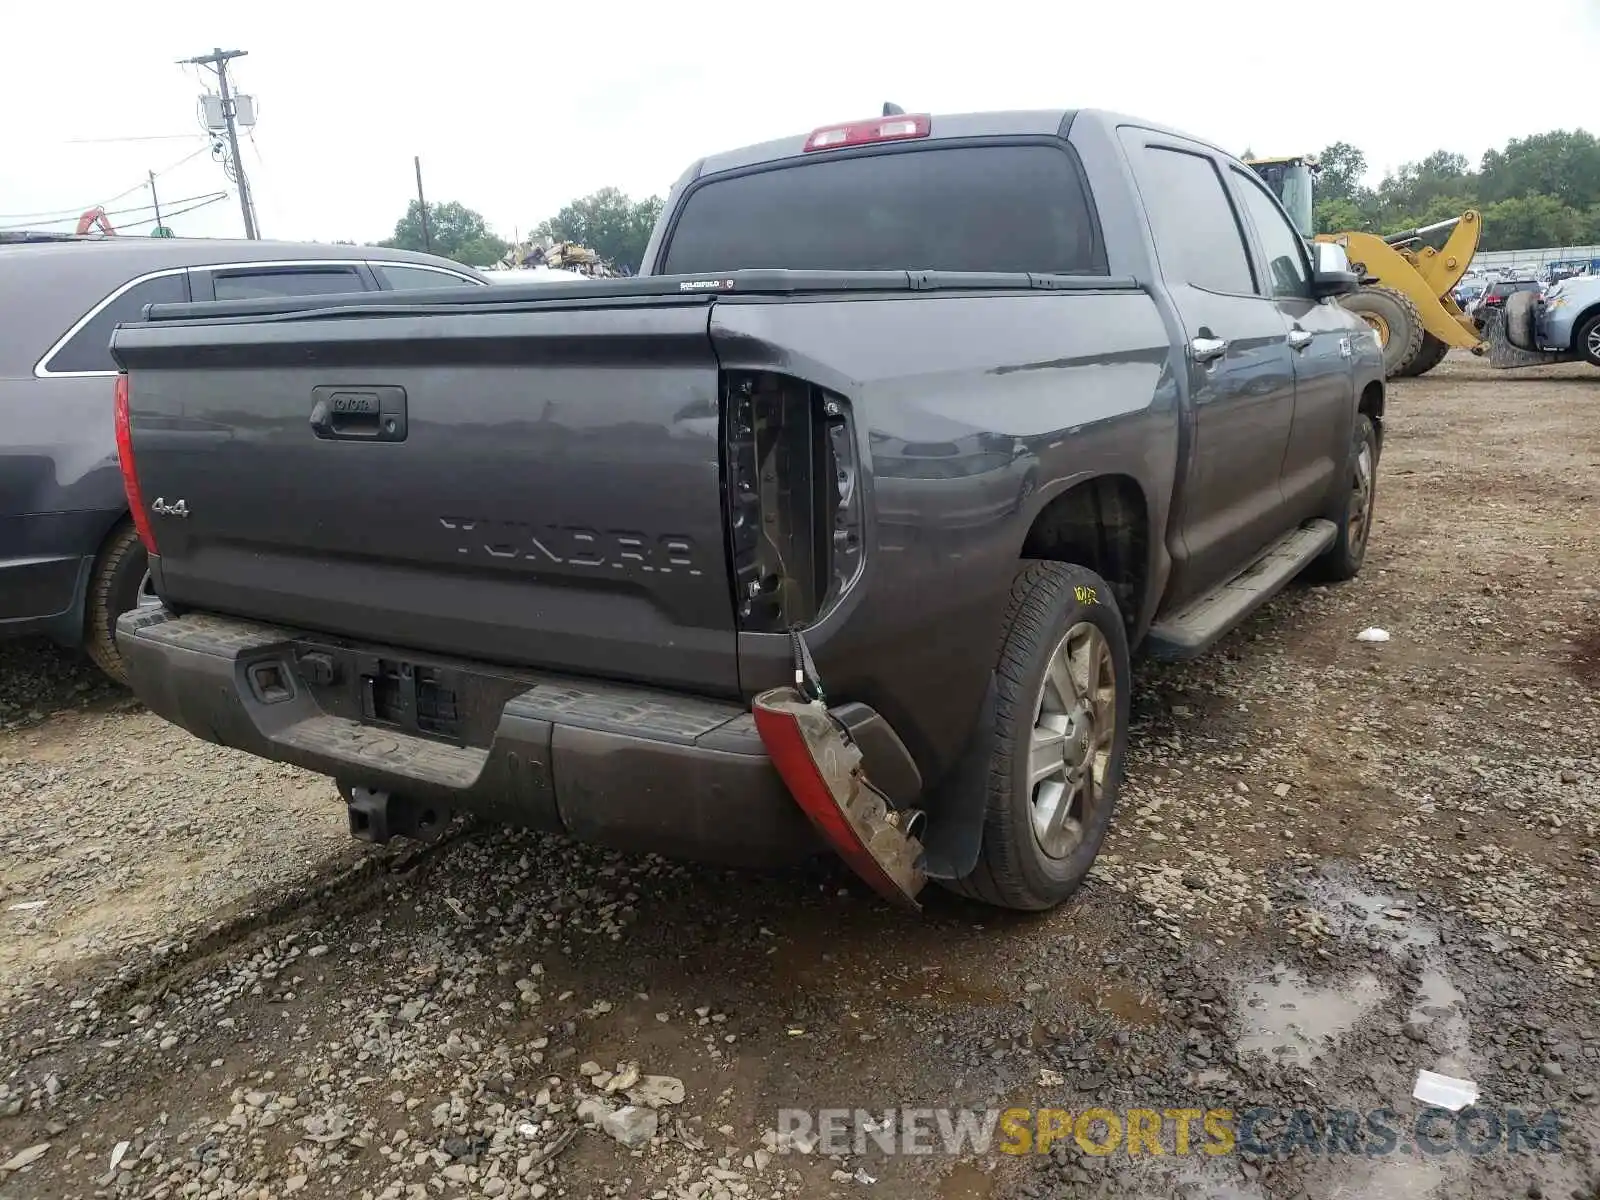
(574,546)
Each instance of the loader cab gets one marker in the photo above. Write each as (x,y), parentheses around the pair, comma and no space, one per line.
(1292,182)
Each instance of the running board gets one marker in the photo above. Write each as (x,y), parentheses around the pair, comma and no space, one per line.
(1201,623)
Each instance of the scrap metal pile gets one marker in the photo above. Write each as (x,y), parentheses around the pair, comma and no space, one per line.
(559,256)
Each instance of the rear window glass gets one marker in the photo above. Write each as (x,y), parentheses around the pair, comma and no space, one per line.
(975,208)
(404,278)
(90,347)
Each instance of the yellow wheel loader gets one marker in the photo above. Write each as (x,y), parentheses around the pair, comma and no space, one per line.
(1407,286)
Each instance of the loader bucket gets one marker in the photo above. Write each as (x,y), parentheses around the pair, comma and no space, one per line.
(1504,355)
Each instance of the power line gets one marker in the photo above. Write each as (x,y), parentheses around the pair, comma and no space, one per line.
(193,154)
(208,197)
(147,137)
(167,216)
(72,214)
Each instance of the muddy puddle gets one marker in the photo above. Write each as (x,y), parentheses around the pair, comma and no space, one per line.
(1286,1016)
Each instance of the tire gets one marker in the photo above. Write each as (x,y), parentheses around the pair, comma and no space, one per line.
(1397,321)
(1430,356)
(1343,559)
(1586,341)
(1052,605)
(114,587)
(1518,317)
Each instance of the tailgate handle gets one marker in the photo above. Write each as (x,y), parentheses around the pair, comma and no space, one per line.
(359,413)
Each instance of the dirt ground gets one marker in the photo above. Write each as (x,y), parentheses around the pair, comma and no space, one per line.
(1335,863)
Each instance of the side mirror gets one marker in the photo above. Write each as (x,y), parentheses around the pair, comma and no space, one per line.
(1330,271)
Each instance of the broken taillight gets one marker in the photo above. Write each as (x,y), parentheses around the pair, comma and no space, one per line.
(821,767)
(794,504)
(130,478)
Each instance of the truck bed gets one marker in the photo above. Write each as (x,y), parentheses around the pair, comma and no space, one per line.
(558,491)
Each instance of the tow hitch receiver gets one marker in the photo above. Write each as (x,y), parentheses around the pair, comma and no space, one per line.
(821,766)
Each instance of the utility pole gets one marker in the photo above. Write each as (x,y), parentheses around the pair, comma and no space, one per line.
(218,61)
(155,200)
(422,205)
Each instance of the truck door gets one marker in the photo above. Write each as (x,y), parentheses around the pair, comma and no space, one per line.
(1319,337)
(1229,504)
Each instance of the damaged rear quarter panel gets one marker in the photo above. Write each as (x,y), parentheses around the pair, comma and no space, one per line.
(972,412)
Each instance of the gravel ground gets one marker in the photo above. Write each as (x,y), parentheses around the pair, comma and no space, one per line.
(1336,863)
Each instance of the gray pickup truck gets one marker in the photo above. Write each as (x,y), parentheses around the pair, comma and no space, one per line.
(835,528)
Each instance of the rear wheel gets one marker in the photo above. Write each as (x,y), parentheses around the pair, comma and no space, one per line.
(1396,321)
(121,577)
(1587,340)
(1060,735)
(1430,356)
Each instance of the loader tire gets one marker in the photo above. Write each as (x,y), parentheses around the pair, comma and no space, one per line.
(1430,356)
(1397,321)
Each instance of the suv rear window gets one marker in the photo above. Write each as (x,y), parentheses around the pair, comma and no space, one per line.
(90,348)
(969,208)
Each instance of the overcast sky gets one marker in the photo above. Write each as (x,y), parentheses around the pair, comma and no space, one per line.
(514,112)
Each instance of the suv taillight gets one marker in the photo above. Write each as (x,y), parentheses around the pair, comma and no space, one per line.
(130,478)
(794,508)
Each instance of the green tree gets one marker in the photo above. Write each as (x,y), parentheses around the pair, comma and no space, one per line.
(1535,191)
(454,231)
(1336,215)
(1531,220)
(1343,167)
(1562,164)
(607,222)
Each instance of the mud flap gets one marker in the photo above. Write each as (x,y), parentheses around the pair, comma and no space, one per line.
(821,766)
(1504,356)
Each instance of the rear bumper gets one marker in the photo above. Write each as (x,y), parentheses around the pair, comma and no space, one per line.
(631,767)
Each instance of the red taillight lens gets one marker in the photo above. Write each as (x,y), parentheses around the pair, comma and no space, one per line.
(821,769)
(130,478)
(860,133)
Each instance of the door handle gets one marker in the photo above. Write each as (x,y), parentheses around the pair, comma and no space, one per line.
(1299,339)
(1205,349)
(359,414)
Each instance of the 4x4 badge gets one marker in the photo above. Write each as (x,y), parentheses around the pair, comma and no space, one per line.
(162,509)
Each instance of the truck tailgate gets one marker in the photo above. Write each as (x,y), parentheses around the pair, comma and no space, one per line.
(523,488)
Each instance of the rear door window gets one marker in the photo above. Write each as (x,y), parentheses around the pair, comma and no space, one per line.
(971,208)
(89,349)
(267,282)
(1196,230)
(403,277)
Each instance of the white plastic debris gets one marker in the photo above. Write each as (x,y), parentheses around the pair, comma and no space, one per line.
(117,1153)
(1445,1091)
(26,905)
(1373,634)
